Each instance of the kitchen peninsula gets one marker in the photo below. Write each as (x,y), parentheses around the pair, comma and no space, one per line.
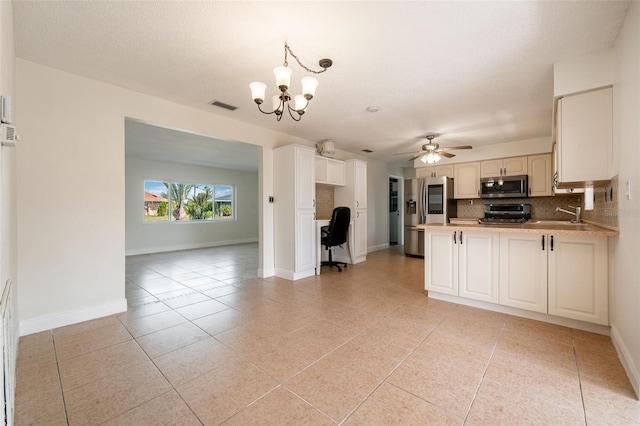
(552,271)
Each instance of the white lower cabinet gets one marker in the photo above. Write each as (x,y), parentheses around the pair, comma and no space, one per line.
(462,263)
(578,276)
(523,271)
(562,275)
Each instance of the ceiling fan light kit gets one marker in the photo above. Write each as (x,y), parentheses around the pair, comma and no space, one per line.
(432,153)
(282,102)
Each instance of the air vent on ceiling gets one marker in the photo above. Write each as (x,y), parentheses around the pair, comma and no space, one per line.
(368,151)
(223,105)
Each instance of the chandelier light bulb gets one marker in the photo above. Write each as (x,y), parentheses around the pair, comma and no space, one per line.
(258,90)
(283,77)
(277,104)
(300,103)
(309,86)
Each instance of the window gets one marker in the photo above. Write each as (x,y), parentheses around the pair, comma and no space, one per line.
(184,202)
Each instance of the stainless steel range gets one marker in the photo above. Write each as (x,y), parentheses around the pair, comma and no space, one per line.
(506,213)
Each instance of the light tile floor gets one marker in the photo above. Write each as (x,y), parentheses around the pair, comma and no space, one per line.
(205,342)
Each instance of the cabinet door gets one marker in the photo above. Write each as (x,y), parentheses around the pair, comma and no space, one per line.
(523,271)
(540,175)
(361,184)
(578,278)
(335,172)
(305,178)
(466,180)
(305,240)
(424,172)
(441,262)
(446,170)
(478,263)
(360,234)
(514,166)
(321,169)
(585,137)
(491,168)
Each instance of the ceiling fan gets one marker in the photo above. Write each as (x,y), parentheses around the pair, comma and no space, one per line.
(431,152)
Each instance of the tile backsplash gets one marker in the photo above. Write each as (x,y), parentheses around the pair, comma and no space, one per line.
(541,207)
(324,201)
(605,205)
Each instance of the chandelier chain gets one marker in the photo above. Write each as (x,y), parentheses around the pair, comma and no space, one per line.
(288,49)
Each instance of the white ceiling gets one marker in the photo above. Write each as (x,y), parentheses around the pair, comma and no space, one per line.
(476,72)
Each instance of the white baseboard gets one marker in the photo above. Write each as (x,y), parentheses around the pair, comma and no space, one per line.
(292,276)
(266,273)
(626,359)
(187,246)
(61,319)
(378,247)
(538,316)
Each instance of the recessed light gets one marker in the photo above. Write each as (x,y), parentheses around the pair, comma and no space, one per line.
(373,108)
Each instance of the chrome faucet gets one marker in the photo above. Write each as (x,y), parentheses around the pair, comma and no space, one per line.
(576,213)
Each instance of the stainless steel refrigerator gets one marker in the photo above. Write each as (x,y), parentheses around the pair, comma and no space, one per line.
(427,200)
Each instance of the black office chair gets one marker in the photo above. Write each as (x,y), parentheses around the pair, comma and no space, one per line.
(335,234)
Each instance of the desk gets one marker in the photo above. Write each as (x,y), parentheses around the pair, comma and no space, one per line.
(320,248)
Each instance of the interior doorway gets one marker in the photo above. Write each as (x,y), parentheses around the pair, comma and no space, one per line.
(395,201)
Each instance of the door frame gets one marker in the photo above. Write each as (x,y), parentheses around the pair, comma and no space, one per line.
(400,208)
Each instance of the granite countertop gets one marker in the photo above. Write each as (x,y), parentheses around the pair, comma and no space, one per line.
(532,227)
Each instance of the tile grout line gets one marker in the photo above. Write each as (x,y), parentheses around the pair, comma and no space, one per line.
(64,402)
(575,357)
(384,379)
(493,351)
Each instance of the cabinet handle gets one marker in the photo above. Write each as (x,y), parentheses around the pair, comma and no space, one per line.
(357,204)
(454,237)
(543,243)
(551,243)
(529,190)
(357,214)
(461,237)
(314,203)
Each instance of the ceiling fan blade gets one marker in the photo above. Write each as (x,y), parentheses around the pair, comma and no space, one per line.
(416,156)
(405,153)
(458,147)
(446,154)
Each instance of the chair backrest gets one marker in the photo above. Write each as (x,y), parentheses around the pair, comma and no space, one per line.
(338,226)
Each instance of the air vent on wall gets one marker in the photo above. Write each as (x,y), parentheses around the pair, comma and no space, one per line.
(223,105)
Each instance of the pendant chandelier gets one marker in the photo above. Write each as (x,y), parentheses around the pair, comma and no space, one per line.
(282,102)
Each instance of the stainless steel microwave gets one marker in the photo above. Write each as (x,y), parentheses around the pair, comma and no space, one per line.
(504,187)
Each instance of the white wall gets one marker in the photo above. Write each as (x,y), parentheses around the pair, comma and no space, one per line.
(8,235)
(150,237)
(71,249)
(625,291)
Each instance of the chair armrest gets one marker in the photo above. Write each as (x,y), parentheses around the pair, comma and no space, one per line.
(324,230)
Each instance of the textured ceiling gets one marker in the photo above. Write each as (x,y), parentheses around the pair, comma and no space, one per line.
(475,72)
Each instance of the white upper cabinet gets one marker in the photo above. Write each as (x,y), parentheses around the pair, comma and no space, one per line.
(305,179)
(512,166)
(330,171)
(584,138)
(466,180)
